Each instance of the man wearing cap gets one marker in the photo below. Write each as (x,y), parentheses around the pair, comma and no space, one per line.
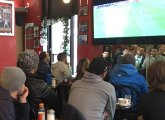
(91,95)
(39,91)
(13,93)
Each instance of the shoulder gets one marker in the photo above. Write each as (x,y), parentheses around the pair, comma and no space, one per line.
(7,110)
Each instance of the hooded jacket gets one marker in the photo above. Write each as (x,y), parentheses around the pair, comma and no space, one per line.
(127,74)
(11,109)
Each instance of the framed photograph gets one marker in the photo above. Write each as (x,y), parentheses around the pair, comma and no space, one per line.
(83,26)
(7,18)
(36,43)
(36,31)
(29,31)
(83,11)
(83,39)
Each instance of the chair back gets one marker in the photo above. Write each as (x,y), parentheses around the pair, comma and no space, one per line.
(69,112)
(62,90)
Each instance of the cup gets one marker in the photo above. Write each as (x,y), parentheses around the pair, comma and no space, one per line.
(53,82)
(124,101)
(128,97)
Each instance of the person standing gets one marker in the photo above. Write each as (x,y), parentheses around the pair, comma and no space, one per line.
(13,94)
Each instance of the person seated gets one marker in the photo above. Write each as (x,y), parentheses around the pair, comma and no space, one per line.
(91,95)
(13,94)
(60,70)
(151,104)
(82,66)
(39,91)
(44,70)
(127,74)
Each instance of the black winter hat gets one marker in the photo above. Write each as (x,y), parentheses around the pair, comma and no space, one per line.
(97,66)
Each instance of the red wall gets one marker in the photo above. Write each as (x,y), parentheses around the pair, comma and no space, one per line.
(19,3)
(88,50)
(7,51)
(33,16)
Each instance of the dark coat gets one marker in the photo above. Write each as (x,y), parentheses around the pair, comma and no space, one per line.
(69,112)
(10,109)
(39,91)
(44,72)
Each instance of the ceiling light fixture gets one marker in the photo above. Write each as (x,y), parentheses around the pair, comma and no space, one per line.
(66,1)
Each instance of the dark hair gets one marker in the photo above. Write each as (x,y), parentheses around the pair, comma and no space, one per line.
(42,56)
(128,59)
(97,66)
(83,64)
(156,75)
(61,56)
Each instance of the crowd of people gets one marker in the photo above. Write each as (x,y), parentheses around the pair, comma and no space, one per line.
(93,94)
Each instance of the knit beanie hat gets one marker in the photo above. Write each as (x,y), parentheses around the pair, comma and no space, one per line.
(97,66)
(28,60)
(12,78)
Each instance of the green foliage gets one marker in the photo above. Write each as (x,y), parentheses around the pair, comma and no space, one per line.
(47,22)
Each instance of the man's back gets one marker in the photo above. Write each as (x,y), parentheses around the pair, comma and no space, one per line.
(61,71)
(92,97)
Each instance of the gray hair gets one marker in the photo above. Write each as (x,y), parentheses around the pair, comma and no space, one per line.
(12,78)
(28,60)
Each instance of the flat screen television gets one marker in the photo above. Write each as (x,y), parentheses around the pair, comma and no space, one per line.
(128,22)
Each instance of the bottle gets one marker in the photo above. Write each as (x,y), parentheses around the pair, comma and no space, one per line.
(53,82)
(50,114)
(41,112)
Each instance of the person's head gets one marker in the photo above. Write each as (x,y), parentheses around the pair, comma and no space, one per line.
(156,75)
(28,61)
(128,59)
(154,52)
(140,51)
(98,66)
(44,56)
(161,49)
(62,57)
(105,53)
(125,51)
(13,79)
(83,65)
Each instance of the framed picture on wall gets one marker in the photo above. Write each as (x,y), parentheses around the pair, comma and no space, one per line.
(7,18)
(83,11)
(83,26)
(36,31)
(36,43)
(83,39)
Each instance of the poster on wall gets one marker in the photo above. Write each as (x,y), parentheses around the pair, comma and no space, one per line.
(7,18)
(83,39)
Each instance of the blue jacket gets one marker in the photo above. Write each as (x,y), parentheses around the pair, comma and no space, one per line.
(127,74)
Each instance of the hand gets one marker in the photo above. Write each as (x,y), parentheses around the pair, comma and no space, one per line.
(22,98)
(105,114)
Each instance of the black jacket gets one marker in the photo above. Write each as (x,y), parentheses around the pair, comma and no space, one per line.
(39,91)
(43,69)
(10,109)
